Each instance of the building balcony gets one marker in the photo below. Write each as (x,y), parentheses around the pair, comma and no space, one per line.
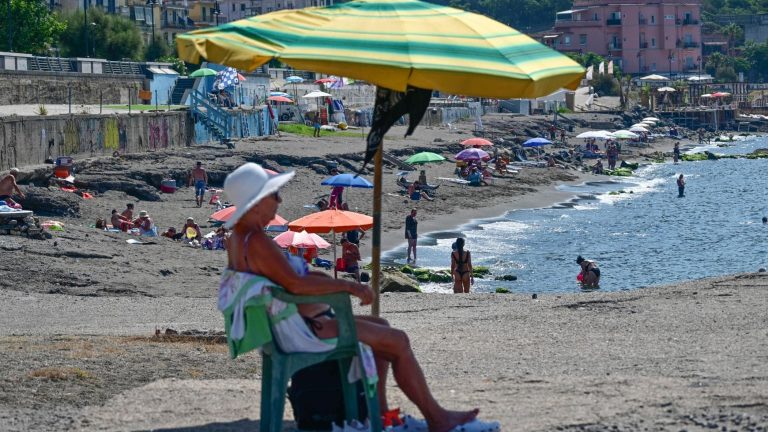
(687,44)
(642,21)
(690,21)
(643,45)
(613,21)
(579,23)
(614,46)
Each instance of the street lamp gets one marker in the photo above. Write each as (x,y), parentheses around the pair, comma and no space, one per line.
(85,27)
(216,11)
(670,57)
(93,39)
(152,4)
(10,28)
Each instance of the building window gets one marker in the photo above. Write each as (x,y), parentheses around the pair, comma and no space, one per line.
(582,39)
(653,67)
(653,42)
(242,7)
(567,40)
(269,9)
(595,17)
(653,19)
(204,10)
(669,17)
(290,5)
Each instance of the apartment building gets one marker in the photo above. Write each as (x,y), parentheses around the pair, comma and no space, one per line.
(641,36)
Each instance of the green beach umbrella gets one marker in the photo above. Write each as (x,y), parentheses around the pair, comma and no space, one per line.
(407,48)
(424,158)
(202,72)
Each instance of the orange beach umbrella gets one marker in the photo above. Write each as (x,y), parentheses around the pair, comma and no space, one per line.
(331,221)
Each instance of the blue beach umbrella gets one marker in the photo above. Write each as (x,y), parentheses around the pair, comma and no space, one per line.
(293,79)
(347,180)
(536,142)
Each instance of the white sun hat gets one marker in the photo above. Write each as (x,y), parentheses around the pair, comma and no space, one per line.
(248,185)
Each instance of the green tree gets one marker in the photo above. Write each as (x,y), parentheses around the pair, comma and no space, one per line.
(734,33)
(112,37)
(156,49)
(34,29)
(177,64)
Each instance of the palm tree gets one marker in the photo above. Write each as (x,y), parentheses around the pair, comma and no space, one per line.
(734,32)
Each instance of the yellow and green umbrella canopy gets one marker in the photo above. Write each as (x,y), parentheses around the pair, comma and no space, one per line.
(393,44)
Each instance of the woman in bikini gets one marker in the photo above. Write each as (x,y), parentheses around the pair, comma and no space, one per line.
(590,274)
(461,268)
(251,251)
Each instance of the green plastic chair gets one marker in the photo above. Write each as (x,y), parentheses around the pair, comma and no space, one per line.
(278,366)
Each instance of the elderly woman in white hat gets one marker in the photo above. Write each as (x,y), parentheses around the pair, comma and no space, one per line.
(250,251)
(145,225)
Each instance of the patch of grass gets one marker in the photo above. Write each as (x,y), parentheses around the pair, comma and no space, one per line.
(304,130)
(59,374)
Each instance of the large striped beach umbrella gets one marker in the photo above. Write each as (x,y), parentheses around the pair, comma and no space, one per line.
(407,48)
(393,44)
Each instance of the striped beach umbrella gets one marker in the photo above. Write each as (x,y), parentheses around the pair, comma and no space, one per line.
(393,44)
(407,48)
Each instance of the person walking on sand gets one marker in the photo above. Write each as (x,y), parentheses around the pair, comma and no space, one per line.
(676,153)
(461,268)
(252,254)
(411,227)
(680,186)
(590,273)
(8,187)
(199,178)
(316,125)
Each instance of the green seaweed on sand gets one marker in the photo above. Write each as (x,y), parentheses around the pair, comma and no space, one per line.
(621,172)
(502,291)
(406,269)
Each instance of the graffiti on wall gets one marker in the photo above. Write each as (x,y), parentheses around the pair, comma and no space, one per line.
(71,143)
(158,133)
(111,134)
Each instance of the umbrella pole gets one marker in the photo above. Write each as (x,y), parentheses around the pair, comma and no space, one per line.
(376,246)
(333,242)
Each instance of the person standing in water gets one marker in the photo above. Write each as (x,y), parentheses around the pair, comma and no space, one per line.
(461,268)
(680,186)
(676,153)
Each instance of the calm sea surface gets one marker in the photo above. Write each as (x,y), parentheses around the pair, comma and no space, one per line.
(643,236)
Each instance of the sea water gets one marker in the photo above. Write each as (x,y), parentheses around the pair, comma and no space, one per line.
(636,228)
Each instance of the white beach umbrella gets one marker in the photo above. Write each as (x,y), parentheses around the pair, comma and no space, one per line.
(651,119)
(706,95)
(624,134)
(638,129)
(602,134)
(648,123)
(665,89)
(654,78)
(644,125)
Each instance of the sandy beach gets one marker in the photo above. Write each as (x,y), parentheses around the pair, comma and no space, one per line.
(79,312)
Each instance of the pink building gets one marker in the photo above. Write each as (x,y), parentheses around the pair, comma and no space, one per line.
(642,36)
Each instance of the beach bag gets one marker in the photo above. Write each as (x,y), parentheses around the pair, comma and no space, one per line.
(317,398)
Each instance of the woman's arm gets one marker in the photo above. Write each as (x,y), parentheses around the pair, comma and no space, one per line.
(266,259)
(453,263)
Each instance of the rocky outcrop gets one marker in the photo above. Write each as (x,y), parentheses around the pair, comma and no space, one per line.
(51,202)
(392,280)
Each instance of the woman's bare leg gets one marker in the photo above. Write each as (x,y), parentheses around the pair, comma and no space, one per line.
(457,282)
(393,345)
(465,282)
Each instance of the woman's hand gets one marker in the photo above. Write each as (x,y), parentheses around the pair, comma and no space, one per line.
(471,280)
(363,292)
